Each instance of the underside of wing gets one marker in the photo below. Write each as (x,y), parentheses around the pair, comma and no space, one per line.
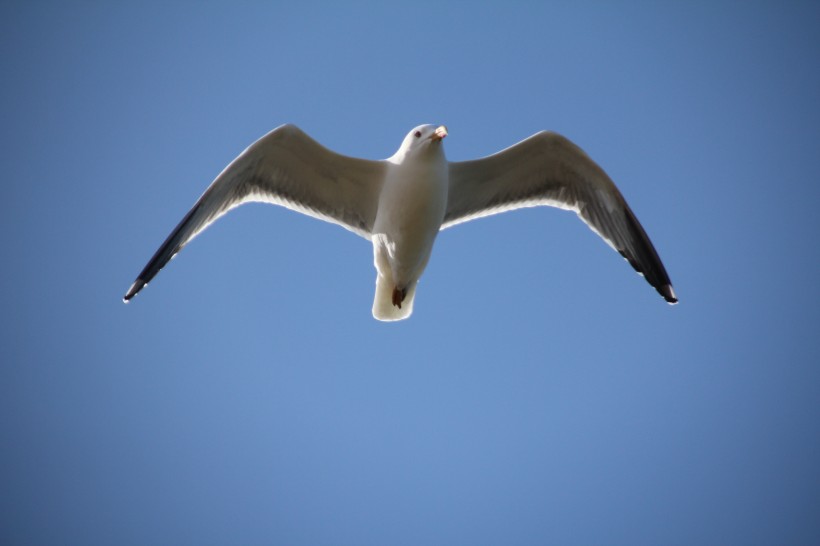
(547,169)
(287,168)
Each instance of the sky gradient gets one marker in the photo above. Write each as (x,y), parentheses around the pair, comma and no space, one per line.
(542,392)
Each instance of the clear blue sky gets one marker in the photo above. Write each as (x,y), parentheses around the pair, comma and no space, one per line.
(542,393)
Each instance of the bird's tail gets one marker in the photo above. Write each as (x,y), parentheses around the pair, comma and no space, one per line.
(383,308)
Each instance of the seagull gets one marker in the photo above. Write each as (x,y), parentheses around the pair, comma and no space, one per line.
(401,203)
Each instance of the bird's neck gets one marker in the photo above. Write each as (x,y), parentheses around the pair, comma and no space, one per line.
(429,156)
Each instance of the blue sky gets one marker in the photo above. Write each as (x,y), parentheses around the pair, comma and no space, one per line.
(541,393)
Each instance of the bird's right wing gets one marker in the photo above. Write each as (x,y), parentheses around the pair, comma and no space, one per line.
(547,169)
(288,168)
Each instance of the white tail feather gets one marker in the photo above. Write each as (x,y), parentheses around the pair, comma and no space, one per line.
(383,308)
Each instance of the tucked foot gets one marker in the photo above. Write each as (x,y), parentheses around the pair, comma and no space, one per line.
(398,296)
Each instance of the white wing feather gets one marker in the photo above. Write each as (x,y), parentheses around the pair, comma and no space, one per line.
(287,168)
(547,169)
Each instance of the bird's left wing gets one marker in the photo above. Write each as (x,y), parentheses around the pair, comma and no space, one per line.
(285,167)
(548,169)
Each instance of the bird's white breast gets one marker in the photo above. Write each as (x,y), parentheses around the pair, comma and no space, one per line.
(411,209)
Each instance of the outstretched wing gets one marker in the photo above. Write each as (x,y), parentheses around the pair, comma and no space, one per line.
(288,168)
(547,169)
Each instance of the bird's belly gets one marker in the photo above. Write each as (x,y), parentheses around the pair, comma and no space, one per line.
(404,232)
(405,249)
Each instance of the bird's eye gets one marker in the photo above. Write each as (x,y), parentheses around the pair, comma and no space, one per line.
(417,134)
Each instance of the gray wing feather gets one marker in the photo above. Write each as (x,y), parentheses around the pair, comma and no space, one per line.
(287,168)
(547,169)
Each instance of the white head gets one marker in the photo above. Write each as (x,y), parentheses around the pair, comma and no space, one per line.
(423,138)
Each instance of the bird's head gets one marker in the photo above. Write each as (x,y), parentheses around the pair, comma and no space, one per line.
(421,139)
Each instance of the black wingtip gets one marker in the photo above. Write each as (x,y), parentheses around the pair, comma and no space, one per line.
(138,285)
(668,294)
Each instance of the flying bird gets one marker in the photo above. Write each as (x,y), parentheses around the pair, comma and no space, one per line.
(401,203)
